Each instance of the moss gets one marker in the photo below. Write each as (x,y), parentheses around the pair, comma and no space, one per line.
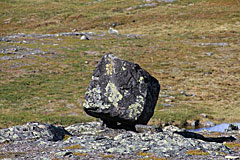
(197,152)
(232,145)
(107,156)
(144,154)
(149,156)
(66,136)
(74,147)
(80,154)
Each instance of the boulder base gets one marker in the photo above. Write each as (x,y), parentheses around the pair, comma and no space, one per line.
(121,93)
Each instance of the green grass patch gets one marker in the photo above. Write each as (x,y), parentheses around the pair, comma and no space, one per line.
(51,88)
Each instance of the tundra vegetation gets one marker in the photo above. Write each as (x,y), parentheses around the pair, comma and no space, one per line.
(190,46)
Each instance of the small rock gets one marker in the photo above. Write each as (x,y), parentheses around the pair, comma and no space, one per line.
(84,37)
(112,31)
(214,44)
(167,105)
(209,53)
(203,115)
(232,157)
(232,127)
(208,124)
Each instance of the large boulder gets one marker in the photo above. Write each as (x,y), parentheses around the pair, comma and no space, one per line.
(121,93)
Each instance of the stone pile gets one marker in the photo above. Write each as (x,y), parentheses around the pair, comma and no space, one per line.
(92,141)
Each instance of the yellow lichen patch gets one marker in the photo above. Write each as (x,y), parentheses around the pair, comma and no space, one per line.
(80,154)
(196,152)
(74,147)
(144,154)
(66,136)
(113,94)
(107,156)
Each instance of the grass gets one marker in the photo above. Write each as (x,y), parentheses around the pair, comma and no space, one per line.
(233,145)
(51,88)
(74,147)
(197,152)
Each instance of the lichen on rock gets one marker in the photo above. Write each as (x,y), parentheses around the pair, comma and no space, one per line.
(114,96)
(136,109)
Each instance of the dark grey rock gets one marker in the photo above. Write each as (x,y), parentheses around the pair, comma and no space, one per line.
(121,93)
(232,127)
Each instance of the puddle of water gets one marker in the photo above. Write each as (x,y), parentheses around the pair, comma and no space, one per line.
(217,128)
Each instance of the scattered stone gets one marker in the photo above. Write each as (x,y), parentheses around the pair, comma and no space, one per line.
(193,123)
(112,31)
(167,105)
(84,37)
(186,94)
(18,52)
(209,53)
(214,44)
(132,36)
(203,115)
(208,124)
(91,128)
(121,93)
(232,127)
(88,142)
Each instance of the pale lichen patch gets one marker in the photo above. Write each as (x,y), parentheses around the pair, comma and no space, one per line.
(141,79)
(114,96)
(110,67)
(136,109)
(94,100)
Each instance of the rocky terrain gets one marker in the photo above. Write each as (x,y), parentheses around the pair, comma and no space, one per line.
(93,141)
